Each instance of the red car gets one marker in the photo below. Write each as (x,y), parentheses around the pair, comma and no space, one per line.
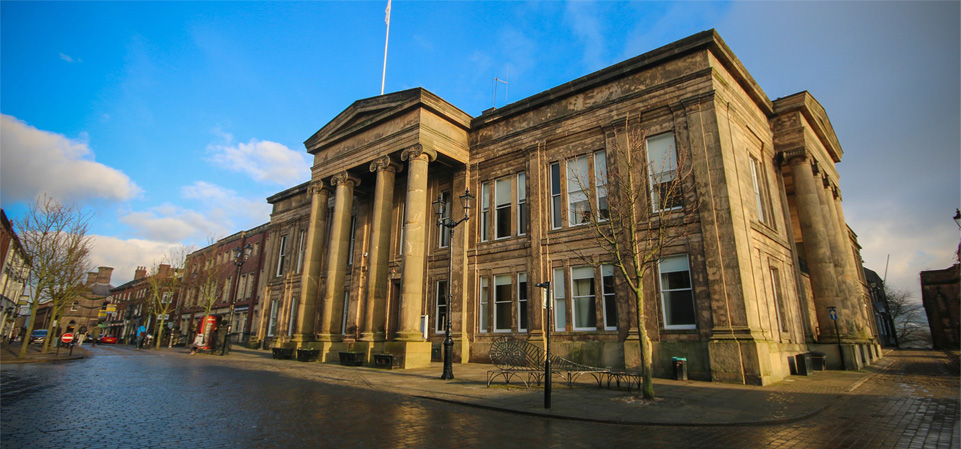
(107,339)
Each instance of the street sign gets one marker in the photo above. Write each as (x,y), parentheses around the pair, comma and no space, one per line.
(66,338)
(833,313)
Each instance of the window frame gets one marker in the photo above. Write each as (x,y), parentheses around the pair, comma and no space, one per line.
(522,298)
(282,255)
(503,207)
(557,221)
(655,203)
(485,211)
(502,302)
(590,300)
(600,185)
(439,295)
(443,235)
(574,171)
(483,315)
(522,211)
(662,290)
(608,298)
(560,299)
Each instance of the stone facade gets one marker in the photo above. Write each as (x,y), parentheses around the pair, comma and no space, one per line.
(766,254)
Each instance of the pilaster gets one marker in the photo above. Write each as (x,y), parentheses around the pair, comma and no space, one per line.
(304,330)
(412,280)
(375,312)
(333,304)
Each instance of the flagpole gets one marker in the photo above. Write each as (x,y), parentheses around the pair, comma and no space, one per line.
(386,39)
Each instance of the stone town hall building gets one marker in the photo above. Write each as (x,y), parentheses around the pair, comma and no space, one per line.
(355,259)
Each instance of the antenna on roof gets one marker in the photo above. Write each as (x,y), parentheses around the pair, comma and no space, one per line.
(383,76)
(506,87)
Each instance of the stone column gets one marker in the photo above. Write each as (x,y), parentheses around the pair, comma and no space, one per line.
(412,280)
(849,315)
(817,244)
(337,257)
(375,317)
(851,266)
(307,311)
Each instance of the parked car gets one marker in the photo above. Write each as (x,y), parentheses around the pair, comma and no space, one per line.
(107,339)
(38,336)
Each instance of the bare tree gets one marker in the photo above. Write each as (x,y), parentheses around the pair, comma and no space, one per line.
(641,202)
(164,281)
(54,237)
(908,317)
(204,279)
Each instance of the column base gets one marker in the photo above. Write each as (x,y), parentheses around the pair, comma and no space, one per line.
(366,336)
(461,350)
(415,354)
(410,337)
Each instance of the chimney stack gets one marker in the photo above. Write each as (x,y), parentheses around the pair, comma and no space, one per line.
(140,274)
(103,275)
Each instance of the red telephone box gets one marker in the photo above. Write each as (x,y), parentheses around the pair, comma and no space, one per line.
(207,327)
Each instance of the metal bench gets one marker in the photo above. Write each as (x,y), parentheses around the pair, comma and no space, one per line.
(517,358)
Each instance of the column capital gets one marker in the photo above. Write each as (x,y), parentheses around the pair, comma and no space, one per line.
(316,187)
(384,163)
(418,151)
(796,156)
(345,178)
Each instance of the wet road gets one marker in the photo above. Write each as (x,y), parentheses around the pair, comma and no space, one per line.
(122,398)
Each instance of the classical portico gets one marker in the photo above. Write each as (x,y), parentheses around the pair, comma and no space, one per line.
(359,155)
(809,150)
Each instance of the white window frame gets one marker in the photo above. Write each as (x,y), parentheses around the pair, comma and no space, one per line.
(483,316)
(485,211)
(664,306)
(560,300)
(608,298)
(780,312)
(578,189)
(443,237)
(600,184)
(522,301)
(440,308)
(666,168)
(589,299)
(502,205)
(292,316)
(282,255)
(272,324)
(501,280)
(555,191)
(522,212)
(353,234)
(300,251)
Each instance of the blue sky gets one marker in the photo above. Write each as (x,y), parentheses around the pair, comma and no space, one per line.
(173,121)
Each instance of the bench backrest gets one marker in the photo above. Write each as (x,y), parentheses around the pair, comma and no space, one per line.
(512,353)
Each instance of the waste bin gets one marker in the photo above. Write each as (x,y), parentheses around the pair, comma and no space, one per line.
(818,362)
(803,363)
(680,367)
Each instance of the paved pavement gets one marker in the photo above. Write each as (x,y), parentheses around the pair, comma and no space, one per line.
(247,399)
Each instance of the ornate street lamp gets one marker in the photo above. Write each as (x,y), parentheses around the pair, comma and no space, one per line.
(440,208)
(240,258)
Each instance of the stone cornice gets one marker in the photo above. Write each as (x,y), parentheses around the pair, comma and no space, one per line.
(815,116)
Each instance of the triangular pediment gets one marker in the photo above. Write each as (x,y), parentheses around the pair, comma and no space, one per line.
(369,111)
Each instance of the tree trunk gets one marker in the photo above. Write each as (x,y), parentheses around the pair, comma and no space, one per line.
(647,353)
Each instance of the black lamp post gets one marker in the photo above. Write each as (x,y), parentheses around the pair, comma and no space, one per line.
(547,300)
(440,208)
(240,257)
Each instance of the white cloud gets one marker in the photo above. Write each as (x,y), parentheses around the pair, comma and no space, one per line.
(223,203)
(66,57)
(172,224)
(263,160)
(223,212)
(124,256)
(34,161)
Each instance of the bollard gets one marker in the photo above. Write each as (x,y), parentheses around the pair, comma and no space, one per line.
(680,368)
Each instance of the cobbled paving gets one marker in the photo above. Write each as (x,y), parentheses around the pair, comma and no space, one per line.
(121,398)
